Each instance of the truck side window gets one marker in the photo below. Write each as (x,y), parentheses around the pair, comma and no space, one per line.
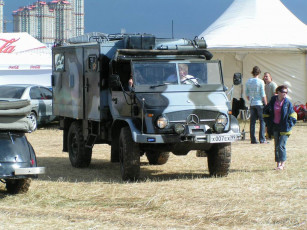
(59,62)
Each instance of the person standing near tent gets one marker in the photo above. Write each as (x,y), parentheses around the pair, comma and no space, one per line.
(270,90)
(281,115)
(254,90)
(270,86)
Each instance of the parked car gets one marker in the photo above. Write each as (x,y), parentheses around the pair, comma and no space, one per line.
(18,163)
(40,97)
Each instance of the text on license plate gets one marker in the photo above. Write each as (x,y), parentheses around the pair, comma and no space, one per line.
(222,138)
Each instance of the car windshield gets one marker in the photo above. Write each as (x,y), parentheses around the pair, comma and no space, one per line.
(11,91)
(158,73)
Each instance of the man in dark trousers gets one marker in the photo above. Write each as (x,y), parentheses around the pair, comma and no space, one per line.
(254,90)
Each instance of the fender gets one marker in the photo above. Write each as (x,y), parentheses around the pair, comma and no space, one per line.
(234,124)
(122,122)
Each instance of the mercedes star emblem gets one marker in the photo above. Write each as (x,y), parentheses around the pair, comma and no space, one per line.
(192,119)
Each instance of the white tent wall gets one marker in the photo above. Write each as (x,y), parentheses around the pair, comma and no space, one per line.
(286,67)
(39,77)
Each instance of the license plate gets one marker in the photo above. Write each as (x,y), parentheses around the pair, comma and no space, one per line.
(220,138)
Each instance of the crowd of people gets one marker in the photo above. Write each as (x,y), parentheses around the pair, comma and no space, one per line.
(269,104)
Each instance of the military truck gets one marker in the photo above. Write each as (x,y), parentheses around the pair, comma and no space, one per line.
(156,114)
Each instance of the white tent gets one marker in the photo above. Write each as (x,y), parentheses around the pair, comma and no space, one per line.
(263,33)
(24,60)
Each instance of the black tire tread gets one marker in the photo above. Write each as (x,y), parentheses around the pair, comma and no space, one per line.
(18,186)
(84,154)
(219,159)
(157,158)
(115,150)
(129,156)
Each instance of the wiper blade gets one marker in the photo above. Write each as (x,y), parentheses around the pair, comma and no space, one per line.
(163,84)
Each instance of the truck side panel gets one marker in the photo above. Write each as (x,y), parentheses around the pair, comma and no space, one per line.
(68,82)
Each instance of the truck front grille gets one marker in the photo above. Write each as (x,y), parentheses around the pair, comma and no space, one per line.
(204,116)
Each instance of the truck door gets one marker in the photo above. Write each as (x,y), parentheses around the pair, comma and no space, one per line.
(92,83)
(121,101)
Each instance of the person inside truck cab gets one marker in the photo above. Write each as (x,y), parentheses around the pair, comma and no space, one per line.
(185,78)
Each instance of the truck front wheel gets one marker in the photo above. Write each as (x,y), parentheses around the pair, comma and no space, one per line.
(17,186)
(219,158)
(157,158)
(114,150)
(79,155)
(129,156)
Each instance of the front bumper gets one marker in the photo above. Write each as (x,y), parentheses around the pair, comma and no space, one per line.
(192,138)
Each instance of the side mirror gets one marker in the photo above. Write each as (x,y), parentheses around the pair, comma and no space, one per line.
(237,78)
(114,81)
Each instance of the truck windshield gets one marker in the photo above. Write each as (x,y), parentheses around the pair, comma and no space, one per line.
(158,73)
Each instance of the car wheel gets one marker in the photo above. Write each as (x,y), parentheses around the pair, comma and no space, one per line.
(33,119)
(80,156)
(129,156)
(157,158)
(17,186)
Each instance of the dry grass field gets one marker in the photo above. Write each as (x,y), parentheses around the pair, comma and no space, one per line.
(177,195)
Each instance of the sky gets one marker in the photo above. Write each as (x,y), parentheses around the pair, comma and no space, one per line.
(189,17)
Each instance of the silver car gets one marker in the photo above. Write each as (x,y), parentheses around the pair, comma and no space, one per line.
(40,97)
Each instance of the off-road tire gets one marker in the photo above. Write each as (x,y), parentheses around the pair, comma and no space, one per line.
(129,156)
(201,153)
(18,186)
(157,158)
(115,150)
(219,158)
(79,155)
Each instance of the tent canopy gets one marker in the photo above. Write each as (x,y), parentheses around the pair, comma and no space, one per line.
(23,59)
(263,33)
(256,24)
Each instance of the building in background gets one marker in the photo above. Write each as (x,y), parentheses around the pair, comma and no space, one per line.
(1,16)
(49,22)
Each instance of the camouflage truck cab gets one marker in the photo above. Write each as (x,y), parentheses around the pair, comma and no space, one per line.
(142,95)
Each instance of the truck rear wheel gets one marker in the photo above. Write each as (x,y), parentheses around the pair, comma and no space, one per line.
(79,155)
(17,186)
(129,156)
(157,158)
(219,158)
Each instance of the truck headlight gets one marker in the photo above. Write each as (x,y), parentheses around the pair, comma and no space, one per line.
(220,123)
(162,122)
